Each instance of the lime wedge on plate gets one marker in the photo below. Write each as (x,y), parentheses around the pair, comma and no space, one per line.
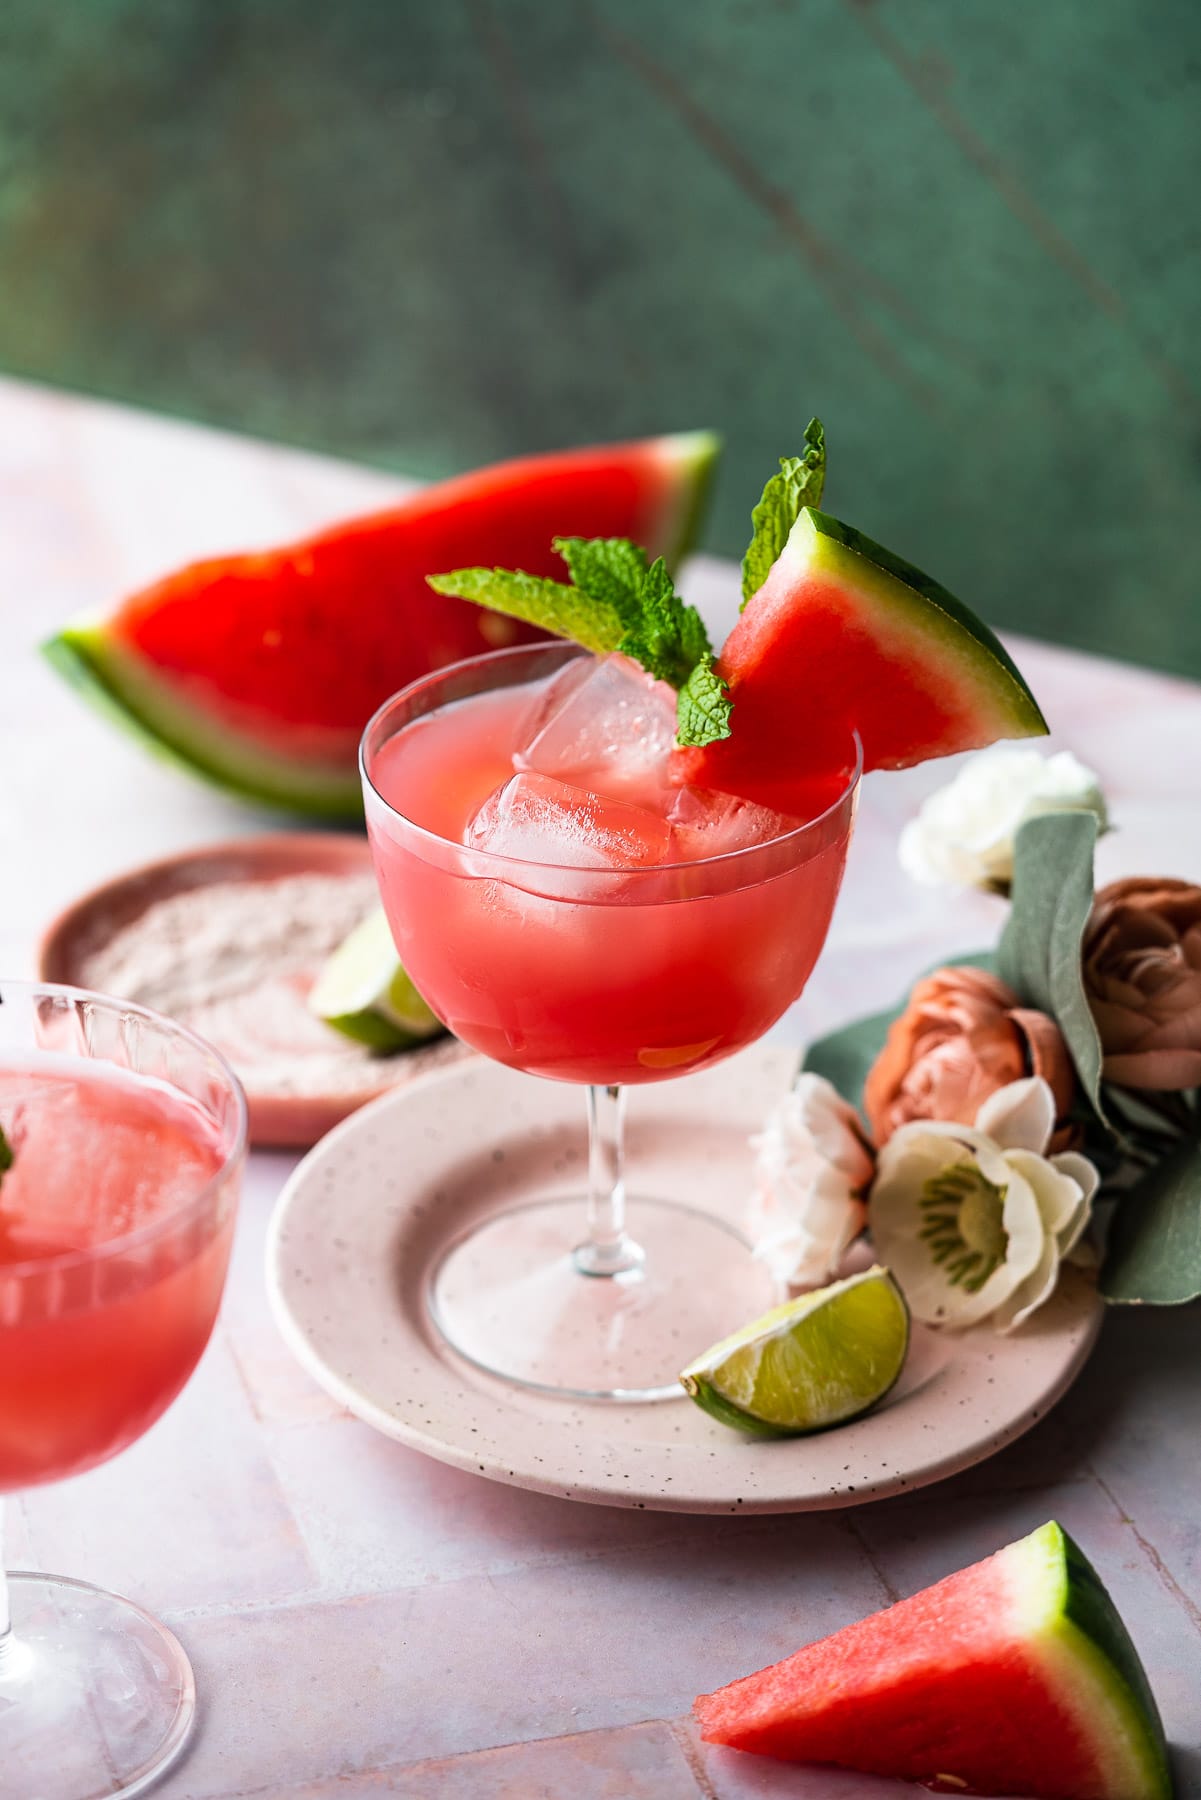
(365,994)
(813,1362)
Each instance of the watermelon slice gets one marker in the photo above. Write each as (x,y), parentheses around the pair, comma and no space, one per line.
(260,671)
(841,635)
(1015,1676)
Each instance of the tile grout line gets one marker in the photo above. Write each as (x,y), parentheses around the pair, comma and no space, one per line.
(1169,1581)
(854,1531)
(334,1594)
(684,1741)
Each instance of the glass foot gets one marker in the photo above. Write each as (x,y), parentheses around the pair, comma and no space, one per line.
(511,1298)
(96,1698)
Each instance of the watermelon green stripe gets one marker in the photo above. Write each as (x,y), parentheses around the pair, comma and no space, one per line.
(919,604)
(1085,1652)
(155,713)
(691,457)
(1013,1676)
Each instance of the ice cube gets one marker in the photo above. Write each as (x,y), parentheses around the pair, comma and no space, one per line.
(708,823)
(548,695)
(611,734)
(536,819)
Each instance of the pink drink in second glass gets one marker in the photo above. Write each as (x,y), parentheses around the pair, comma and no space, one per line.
(657,953)
(113,1249)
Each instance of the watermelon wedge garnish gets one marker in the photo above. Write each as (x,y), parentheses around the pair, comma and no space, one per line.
(260,671)
(1015,1676)
(844,635)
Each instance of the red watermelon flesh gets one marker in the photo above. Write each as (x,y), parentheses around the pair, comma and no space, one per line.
(1015,1676)
(260,671)
(843,637)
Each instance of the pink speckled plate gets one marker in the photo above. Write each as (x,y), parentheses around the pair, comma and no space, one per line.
(370,1210)
(278,1118)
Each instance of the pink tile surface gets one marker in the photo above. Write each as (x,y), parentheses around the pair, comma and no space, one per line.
(448,1666)
(190,1515)
(363,1621)
(638,1762)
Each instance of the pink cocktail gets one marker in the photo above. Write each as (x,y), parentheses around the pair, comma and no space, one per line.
(570,912)
(123,1138)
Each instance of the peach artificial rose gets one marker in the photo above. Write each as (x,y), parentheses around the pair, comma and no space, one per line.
(1142,972)
(962,1038)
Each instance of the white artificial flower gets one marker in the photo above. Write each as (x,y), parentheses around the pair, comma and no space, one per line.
(812,1166)
(964,832)
(974,1222)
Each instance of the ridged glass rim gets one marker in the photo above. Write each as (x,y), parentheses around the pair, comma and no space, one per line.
(497,859)
(142,1234)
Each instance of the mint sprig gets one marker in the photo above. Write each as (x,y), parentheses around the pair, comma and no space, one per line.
(7,1156)
(620,601)
(704,706)
(611,571)
(554,605)
(799,484)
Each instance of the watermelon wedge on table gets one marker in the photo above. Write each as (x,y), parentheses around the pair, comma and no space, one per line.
(844,636)
(1015,1676)
(260,671)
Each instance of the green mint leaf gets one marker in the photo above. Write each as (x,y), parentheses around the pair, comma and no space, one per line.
(567,611)
(6,1154)
(610,570)
(799,484)
(669,638)
(703,706)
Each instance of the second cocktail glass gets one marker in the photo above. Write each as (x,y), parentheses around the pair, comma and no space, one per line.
(120,1163)
(602,976)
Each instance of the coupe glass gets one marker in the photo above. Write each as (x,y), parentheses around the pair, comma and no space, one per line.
(603,977)
(96,1698)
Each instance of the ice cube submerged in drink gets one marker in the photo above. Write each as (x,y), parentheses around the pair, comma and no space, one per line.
(568,908)
(113,1249)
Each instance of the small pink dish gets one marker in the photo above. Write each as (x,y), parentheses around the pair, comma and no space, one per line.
(190,936)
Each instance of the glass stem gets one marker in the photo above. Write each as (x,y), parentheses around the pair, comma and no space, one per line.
(6,1625)
(607,1250)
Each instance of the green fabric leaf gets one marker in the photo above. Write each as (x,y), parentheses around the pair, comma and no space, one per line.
(611,571)
(703,707)
(1154,1252)
(799,484)
(845,1057)
(554,605)
(1039,952)
(669,638)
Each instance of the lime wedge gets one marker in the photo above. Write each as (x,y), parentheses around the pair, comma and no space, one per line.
(365,994)
(813,1362)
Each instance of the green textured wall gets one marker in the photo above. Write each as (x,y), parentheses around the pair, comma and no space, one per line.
(964,231)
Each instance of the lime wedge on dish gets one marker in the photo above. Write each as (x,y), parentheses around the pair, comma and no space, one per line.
(365,994)
(813,1362)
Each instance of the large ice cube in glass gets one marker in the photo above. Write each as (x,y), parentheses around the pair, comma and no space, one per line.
(611,734)
(534,818)
(708,823)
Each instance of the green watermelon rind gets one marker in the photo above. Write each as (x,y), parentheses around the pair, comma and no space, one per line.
(1082,1636)
(849,555)
(144,704)
(692,457)
(119,690)
(1038,1599)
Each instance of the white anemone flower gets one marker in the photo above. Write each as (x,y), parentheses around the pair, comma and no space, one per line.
(964,832)
(812,1167)
(974,1221)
